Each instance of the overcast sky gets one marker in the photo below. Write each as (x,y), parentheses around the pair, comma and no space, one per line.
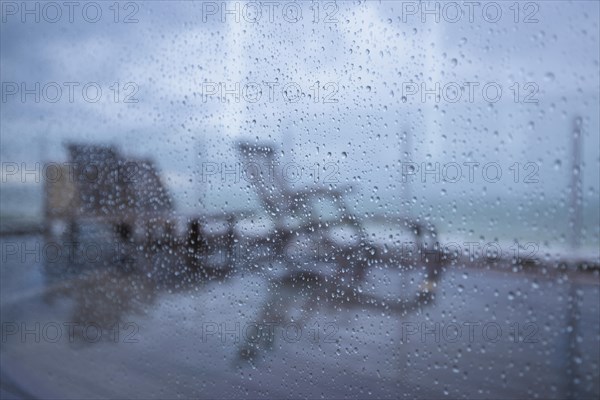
(369,54)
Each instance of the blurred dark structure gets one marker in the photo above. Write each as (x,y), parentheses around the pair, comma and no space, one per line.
(99,185)
(121,204)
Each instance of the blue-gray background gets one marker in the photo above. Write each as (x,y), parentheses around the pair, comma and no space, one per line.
(369,53)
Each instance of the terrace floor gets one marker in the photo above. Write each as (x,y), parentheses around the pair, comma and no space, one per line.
(461,345)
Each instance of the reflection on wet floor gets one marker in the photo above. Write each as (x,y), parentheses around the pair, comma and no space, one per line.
(186,330)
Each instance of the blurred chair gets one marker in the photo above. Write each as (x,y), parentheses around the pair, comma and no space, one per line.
(300,219)
(304,212)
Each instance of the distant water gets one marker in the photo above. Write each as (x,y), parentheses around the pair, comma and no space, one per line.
(544,222)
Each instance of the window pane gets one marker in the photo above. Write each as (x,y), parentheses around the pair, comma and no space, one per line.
(357,199)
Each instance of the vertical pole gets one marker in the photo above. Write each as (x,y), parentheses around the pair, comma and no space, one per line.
(406,148)
(576,182)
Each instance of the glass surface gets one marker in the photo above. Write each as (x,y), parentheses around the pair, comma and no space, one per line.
(300,199)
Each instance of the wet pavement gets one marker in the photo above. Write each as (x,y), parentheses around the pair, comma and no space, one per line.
(483,334)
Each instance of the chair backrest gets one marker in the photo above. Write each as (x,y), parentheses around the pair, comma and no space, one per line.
(95,179)
(109,184)
(293,210)
(261,171)
(151,195)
